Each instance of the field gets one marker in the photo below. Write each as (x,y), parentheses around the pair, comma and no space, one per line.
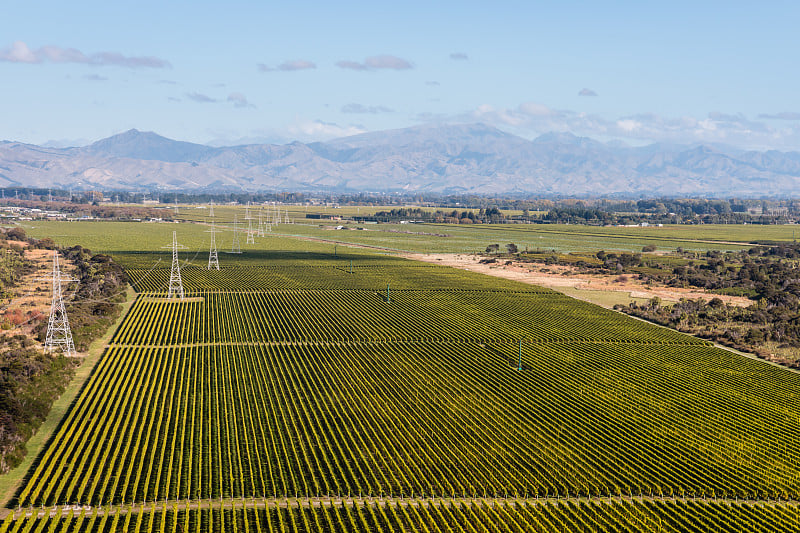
(306,389)
(421,238)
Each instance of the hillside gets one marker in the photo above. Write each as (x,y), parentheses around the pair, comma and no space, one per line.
(469,158)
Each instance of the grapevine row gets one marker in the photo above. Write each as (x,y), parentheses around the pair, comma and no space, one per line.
(423,419)
(334,316)
(427,516)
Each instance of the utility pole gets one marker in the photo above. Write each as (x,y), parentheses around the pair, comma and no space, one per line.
(213,260)
(236,247)
(58,332)
(175,282)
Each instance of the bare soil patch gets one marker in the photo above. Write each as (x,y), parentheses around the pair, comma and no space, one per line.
(560,277)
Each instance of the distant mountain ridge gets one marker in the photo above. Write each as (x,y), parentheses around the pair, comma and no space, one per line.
(446,159)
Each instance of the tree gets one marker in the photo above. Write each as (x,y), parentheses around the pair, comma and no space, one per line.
(511,248)
(492,248)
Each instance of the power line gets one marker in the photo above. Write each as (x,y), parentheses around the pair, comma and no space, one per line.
(236,248)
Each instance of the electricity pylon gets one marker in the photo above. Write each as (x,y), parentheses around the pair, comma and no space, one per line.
(250,238)
(176,205)
(247,211)
(236,247)
(58,332)
(211,209)
(175,282)
(213,260)
(260,223)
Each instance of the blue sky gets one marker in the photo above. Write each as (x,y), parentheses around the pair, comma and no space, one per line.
(712,72)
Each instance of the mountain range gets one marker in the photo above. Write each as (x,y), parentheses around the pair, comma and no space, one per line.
(445,159)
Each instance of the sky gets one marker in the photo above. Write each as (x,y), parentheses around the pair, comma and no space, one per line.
(235,72)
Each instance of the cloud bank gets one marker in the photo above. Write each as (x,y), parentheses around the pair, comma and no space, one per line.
(530,119)
(19,52)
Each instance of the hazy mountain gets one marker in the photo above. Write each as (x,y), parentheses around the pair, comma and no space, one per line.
(472,158)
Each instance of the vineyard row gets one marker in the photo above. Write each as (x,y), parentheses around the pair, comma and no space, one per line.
(424,419)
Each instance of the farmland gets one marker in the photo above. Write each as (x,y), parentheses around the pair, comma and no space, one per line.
(304,388)
(424,238)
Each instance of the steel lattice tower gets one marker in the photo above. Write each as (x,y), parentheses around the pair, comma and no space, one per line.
(260,223)
(175,282)
(58,332)
(213,260)
(250,233)
(236,248)
(211,209)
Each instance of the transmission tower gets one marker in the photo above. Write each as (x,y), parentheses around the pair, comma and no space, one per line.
(247,211)
(176,205)
(175,282)
(58,332)
(236,247)
(211,209)
(213,260)
(250,238)
(260,223)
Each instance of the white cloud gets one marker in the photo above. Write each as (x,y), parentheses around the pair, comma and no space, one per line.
(371,109)
(319,130)
(530,119)
(200,98)
(459,56)
(536,110)
(628,125)
(19,52)
(289,66)
(239,100)
(783,115)
(586,92)
(377,62)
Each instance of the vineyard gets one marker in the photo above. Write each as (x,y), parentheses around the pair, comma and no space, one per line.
(312,393)
(429,516)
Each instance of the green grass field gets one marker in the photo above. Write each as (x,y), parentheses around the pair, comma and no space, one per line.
(438,238)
